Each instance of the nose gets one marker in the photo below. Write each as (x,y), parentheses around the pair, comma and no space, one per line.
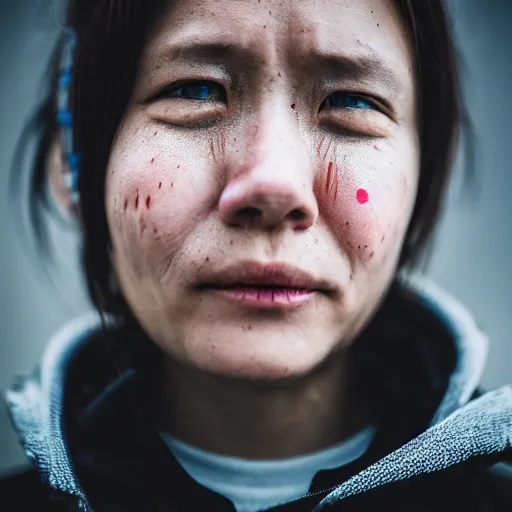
(274,187)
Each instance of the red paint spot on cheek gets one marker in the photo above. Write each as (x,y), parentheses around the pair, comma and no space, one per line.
(362,196)
(148,202)
(293,105)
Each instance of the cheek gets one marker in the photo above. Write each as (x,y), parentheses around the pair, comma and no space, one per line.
(367,204)
(153,204)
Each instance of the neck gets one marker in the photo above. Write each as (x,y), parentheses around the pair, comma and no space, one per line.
(263,421)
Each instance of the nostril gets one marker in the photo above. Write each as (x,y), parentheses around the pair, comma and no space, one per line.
(297,214)
(249,211)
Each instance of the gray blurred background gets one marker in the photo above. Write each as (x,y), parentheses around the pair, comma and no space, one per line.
(471,259)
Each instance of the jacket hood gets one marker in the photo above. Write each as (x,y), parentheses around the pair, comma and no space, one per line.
(451,359)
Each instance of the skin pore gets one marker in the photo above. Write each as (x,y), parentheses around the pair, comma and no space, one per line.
(264,132)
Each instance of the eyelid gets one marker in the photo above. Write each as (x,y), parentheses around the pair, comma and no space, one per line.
(163,92)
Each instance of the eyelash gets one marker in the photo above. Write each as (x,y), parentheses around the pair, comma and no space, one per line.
(350,97)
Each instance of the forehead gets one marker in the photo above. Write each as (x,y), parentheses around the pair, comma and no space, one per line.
(289,29)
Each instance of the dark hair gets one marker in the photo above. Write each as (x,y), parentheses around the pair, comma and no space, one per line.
(111,37)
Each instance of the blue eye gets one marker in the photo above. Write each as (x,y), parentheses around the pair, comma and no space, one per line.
(347,100)
(198,91)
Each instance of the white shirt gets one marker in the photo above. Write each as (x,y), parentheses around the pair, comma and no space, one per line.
(254,485)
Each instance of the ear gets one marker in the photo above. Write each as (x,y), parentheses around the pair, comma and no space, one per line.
(56,171)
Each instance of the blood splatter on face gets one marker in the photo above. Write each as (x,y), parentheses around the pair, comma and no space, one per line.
(362,196)
(237,176)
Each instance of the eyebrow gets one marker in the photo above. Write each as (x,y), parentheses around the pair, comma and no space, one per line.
(368,66)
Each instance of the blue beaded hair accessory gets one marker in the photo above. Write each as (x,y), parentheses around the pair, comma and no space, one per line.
(65,116)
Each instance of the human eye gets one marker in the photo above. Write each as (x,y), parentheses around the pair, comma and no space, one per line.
(348,100)
(189,104)
(203,91)
(354,114)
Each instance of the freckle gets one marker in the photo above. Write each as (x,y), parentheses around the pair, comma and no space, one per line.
(231,243)
(292,105)
(316,240)
(264,26)
(249,327)
(366,247)
(278,73)
(382,240)
(270,12)
(351,277)
(207,258)
(378,25)
(155,134)
(346,224)
(160,185)
(359,247)
(178,167)
(125,204)
(155,230)
(362,196)
(152,160)
(172,184)
(376,147)
(148,202)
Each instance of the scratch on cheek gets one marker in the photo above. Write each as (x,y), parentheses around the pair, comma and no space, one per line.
(329,176)
(148,202)
(319,148)
(137,200)
(223,144)
(142,225)
(160,185)
(327,151)
(212,150)
(125,204)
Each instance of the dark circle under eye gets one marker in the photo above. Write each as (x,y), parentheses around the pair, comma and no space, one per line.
(347,100)
(209,91)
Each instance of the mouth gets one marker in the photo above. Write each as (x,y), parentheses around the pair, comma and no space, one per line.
(267,286)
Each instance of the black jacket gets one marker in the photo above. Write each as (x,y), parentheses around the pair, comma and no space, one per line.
(442,445)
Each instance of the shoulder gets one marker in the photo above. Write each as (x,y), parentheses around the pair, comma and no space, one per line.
(23,490)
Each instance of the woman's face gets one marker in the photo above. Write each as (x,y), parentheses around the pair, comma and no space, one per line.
(263,178)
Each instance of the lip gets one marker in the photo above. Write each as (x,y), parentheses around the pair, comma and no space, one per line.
(274,286)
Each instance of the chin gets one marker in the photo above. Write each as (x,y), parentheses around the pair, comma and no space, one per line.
(266,358)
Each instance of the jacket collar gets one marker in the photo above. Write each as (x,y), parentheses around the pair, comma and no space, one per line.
(440,353)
